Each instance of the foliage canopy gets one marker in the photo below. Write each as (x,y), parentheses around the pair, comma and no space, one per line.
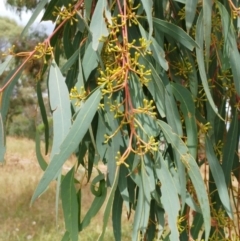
(151,89)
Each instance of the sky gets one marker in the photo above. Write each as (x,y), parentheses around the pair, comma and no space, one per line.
(4,12)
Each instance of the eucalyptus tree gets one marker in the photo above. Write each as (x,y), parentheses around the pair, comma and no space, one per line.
(150,89)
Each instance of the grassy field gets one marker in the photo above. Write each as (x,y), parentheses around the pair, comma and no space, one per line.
(20,222)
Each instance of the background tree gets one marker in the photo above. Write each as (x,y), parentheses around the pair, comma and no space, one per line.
(21,5)
(21,118)
(151,89)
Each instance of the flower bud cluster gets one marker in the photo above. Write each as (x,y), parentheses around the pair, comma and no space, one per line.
(79,96)
(148,108)
(41,50)
(121,60)
(182,68)
(65,13)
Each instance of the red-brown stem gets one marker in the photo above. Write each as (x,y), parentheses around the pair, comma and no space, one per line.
(46,41)
(17,71)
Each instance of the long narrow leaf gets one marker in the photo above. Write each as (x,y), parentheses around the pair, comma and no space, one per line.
(169,196)
(42,163)
(70,205)
(60,105)
(35,14)
(44,116)
(2,140)
(175,32)
(147,5)
(98,201)
(230,44)
(191,6)
(200,61)
(229,147)
(3,66)
(109,205)
(117,215)
(70,143)
(98,25)
(188,109)
(193,172)
(207,27)
(218,176)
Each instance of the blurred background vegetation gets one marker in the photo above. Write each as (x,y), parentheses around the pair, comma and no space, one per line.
(22,117)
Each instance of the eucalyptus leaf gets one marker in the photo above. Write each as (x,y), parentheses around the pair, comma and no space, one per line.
(71,141)
(34,16)
(3,66)
(218,176)
(60,105)
(175,32)
(99,32)
(190,10)
(70,205)
(2,140)
(193,172)
(169,196)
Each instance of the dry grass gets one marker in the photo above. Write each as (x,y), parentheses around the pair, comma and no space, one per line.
(19,222)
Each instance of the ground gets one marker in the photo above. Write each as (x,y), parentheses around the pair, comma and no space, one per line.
(20,222)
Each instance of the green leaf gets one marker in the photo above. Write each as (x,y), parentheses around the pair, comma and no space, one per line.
(193,172)
(230,44)
(197,225)
(146,186)
(156,88)
(200,61)
(176,32)
(7,93)
(188,109)
(88,7)
(71,141)
(190,11)
(50,9)
(229,147)
(207,27)
(66,236)
(123,186)
(172,113)
(97,202)
(42,163)
(2,140)
(169,198)
(160,219)
(117,214)
(98,26)
(180,1)
(70,61)
(91,157)
(44,116)
(70,205)
(138,213)
(34,15)
(218,176)
(67,43)
(192,204)
(148,5)
(80,79)
(101,130)
(109,204)
(60,105)
(6,62)
(146,123)
(192,75)
(90,61)
(158,52)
